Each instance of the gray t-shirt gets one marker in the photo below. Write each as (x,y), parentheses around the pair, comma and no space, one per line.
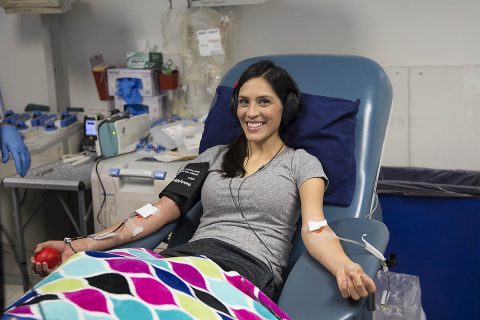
(268,200)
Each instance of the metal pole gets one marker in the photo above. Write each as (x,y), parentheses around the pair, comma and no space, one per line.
(20,240)
(82,215)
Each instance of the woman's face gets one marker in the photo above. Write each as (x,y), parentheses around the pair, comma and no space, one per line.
(259,110)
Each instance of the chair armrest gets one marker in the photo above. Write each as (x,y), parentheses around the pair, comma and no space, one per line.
(311,291)
(187,226)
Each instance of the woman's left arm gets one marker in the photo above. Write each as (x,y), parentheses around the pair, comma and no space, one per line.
(326,249)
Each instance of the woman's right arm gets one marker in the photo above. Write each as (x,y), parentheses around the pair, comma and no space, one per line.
(168,212)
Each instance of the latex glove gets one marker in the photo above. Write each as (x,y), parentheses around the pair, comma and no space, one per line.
(353,282)
(11,142)
(129,90)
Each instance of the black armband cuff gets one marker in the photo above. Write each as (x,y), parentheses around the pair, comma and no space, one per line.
(185,188)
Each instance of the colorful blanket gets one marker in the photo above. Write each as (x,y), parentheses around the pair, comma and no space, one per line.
(140,284)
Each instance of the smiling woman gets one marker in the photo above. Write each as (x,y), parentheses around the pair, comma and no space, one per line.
(260,113)
(265,101)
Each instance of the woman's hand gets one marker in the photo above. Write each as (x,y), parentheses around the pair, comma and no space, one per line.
(353,282)
(42,268)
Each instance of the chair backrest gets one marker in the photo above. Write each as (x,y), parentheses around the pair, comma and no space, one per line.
(347,77)
(352,78)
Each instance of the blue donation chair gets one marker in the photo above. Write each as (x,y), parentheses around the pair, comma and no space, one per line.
(310,291)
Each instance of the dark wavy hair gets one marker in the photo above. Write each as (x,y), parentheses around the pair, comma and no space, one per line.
(283,85)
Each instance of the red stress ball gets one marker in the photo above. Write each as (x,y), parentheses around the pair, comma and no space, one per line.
(49,255)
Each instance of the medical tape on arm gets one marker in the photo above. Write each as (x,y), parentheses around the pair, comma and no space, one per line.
(318,232)
(131,224)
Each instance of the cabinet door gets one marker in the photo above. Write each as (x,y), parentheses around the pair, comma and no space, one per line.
(396,151)
(445,117)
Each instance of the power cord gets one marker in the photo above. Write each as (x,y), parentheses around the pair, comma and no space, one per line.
(101,183)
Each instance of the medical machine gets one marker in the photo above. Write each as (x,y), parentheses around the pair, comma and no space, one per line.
(124,183)
(183,135)
(120,133)
(90,131)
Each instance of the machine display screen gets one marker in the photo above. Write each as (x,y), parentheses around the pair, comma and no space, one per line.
(90,127)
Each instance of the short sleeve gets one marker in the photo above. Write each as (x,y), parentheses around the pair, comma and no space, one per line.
(212,155)
(305,166)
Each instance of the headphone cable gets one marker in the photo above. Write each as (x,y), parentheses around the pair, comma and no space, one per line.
(238,205)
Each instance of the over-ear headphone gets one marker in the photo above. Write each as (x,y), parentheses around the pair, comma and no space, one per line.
(291,107)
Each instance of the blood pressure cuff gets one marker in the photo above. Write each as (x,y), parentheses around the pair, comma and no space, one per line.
(185,188)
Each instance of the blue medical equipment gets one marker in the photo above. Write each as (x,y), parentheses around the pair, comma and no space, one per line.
(310,291)
(66,119)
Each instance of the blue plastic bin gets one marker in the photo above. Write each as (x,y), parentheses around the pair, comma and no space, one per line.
(434,221)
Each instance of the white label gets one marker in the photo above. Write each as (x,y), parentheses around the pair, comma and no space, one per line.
(173,131)
(384,297)
(192,142)
(209,42)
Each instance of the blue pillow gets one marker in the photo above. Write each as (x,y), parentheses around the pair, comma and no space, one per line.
(325,128)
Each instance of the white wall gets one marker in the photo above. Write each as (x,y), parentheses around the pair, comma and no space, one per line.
(392,32)
(435,117)
(404,33)
(22,62)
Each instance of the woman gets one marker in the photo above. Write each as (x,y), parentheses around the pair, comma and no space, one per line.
(251,196)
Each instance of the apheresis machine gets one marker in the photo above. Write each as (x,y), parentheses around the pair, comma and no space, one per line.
(122,184)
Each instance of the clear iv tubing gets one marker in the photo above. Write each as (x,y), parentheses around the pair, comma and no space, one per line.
(367,246)
(384,300)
